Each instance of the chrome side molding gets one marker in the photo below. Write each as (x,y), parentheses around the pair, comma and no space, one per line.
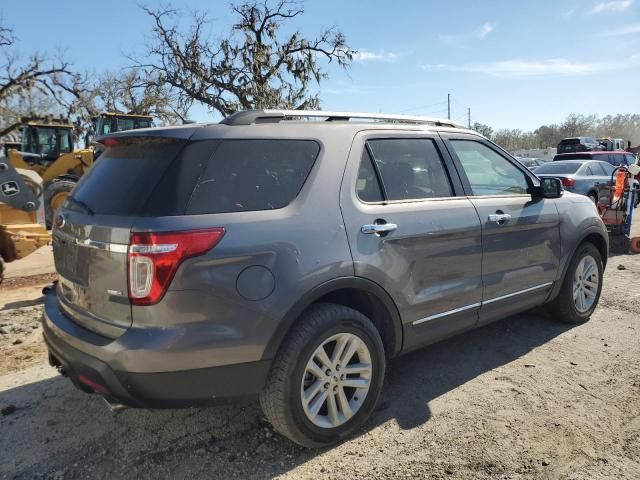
(479,304)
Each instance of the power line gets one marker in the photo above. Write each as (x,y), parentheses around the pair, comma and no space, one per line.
(413,109)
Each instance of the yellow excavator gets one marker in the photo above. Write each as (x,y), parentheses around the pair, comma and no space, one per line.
(37,177)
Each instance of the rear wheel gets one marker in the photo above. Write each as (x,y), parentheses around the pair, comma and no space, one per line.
(581,288)
(326,379)
(55,193)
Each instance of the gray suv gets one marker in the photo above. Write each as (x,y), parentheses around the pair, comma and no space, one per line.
(291,254)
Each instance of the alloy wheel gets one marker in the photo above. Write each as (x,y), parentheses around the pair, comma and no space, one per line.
(336,380)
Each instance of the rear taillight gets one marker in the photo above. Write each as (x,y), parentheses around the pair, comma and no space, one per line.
(154,258)
(568,182)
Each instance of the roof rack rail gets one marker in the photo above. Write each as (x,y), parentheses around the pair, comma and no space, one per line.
(250,117)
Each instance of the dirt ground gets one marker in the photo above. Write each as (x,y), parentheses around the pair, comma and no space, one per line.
(524,398)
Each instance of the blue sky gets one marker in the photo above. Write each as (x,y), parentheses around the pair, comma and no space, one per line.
(516,64)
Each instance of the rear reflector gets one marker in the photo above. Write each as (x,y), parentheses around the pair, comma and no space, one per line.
(96,387)
(154,258)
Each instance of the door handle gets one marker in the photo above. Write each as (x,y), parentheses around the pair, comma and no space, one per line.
(499,218)
(378,228)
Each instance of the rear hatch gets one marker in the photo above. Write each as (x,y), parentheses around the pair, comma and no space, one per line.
(92,231)
(569,145)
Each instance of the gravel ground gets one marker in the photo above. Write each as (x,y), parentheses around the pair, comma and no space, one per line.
(523,398)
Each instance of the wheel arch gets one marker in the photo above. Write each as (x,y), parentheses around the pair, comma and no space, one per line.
(591,235)
(358,293)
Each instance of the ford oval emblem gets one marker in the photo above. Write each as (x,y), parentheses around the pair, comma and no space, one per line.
(61,220)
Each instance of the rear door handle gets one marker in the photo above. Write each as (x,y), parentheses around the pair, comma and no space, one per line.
(378,228)
(499,218)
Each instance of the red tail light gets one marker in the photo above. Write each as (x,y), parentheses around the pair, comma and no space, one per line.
(568,182)
(154,258)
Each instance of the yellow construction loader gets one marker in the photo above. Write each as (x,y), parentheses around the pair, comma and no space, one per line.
(22,222)
(37,177)
(47,149)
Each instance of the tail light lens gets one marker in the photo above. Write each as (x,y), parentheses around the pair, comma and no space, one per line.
(154,258)
(568,182)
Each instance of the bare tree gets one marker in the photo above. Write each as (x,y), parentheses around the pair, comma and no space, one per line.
(134,91)
(256,67)
(483,129)
(23,80)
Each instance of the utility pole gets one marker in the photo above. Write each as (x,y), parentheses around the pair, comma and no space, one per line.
(449,106)
(469,117)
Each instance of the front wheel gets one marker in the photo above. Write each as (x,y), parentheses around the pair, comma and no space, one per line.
(581,288)
(327,377)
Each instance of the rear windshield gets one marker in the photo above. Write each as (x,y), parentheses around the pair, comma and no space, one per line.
(125,175)
(162,177)
(573,156)
(570,141)
(559,167)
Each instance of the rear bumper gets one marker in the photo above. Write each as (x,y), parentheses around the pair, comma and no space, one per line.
(83,363)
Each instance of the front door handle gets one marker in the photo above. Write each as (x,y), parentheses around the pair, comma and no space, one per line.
(499,218)
(378,228)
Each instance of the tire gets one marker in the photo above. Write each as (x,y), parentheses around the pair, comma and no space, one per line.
(564,307)
(290,377)
(53,191)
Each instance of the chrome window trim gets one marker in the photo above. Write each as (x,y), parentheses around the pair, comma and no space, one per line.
(479,304)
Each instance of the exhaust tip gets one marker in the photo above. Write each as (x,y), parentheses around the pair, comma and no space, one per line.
(114,406)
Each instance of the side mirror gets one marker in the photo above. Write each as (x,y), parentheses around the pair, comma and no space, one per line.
(551,187)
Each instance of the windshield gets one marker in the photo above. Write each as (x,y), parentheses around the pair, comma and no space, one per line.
(558,167)
(46,141)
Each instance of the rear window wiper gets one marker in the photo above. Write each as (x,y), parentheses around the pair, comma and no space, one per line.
(83,206)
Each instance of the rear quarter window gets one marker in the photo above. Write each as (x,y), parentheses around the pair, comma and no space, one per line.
(251,175)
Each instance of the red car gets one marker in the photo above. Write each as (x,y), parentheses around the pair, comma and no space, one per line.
(619,157)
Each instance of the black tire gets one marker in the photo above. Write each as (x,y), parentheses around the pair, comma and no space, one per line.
(51,189)
(563,308)
(281,398)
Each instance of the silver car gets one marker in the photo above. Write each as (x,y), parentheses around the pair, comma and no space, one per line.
(290,259)
(586,177)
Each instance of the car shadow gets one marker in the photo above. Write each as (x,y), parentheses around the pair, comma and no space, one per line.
(57,430)
(22,304)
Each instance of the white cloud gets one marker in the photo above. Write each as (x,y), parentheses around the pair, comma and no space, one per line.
(459,39)
(556,67)
(626,30)
(365,55)
(613,6)
(568,13)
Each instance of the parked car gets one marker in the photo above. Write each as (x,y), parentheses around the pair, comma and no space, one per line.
(579,144)
(531,163)
(291,259)
(586,177)
(614,158)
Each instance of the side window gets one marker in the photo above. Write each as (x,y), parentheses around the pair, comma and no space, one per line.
(619,159)
(410,169)
(587,171)
(367,186)
(251,175)
(489,173)
(603,168)
(630,159)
